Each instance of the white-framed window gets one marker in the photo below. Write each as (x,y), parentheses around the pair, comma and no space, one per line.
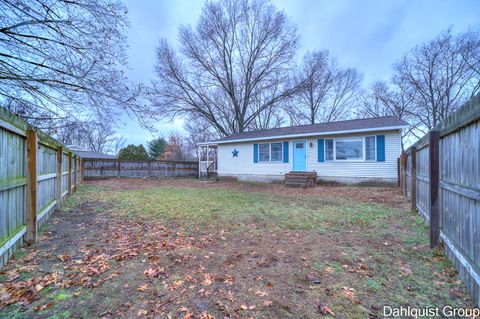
(362,148)
(276,152)
(370,148)
(270,152)
(264,152)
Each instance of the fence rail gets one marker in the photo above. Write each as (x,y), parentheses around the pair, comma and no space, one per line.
(104,168)
(36,174)
(441,176)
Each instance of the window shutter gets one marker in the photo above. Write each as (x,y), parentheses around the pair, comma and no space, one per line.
(321,150)
(380,148)
(285,152)
(255,153)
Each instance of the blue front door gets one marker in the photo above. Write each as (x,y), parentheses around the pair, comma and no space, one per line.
(299,156)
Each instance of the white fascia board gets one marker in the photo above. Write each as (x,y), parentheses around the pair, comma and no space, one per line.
(207,143)
(375,129)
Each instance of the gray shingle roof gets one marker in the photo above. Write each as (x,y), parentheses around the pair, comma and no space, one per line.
(320,128)
(89,154)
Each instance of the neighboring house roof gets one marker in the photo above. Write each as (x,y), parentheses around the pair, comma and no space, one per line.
(84,153)
(74,147)
(340,127)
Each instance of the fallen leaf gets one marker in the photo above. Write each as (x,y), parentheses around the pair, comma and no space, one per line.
(325,310)
(153,272)
(329,270)
(46,306)
(260,293)
(350,293)
(143,288)
(208,279)
(188,315)
(228,280)
(142,312)
(64,257)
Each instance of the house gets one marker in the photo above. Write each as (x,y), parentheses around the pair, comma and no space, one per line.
(345,151)
(86,154)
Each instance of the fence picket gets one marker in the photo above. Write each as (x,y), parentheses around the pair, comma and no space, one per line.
(446,193)
(31,164)
(103,168)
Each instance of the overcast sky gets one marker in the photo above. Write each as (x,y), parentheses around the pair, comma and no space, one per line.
(369,35)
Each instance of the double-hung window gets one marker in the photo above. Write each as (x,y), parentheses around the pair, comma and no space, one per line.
(276,150)
(270,152)
(264,152)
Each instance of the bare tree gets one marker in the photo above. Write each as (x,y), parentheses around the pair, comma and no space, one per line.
(234,65)
(64,60)
(269,117)
(328,91)
(442,74)
(95,136)
(198,130)
(392,99)
(470,51)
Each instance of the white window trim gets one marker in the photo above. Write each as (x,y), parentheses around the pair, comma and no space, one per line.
(270,153)
(364,147)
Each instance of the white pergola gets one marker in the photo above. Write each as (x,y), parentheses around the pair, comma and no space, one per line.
(205,163)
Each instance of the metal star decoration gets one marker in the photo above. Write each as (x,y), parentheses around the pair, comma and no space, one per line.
(235,153)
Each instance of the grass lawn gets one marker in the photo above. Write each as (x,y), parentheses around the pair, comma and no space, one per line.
(192,249)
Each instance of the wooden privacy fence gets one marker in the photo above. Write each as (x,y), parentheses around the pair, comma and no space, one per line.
(36,174)
(103,168)
(441,176)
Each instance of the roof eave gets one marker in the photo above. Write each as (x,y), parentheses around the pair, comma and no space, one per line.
(373,129)
(212,143)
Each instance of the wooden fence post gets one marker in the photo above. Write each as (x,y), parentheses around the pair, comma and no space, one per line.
(149,169)
(58,192)
(398,172)
(405,174)
(413,194)
(434,144)
(80,169)
(31,186)
(69,177)
(75,167)
(174,169)
(400,182)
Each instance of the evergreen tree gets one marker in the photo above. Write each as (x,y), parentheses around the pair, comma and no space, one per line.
(156,148)
(133,153)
